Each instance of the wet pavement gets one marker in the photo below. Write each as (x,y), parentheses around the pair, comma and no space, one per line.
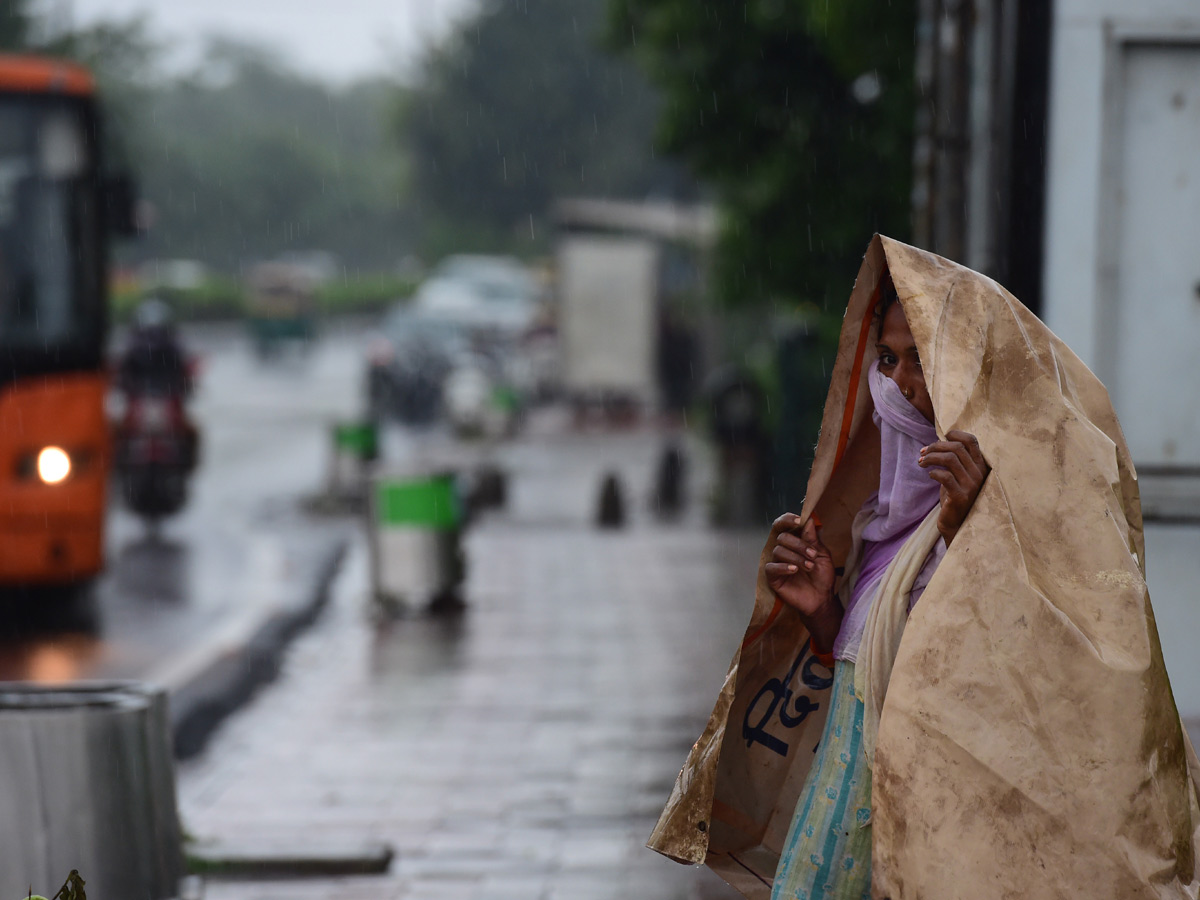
(522,749)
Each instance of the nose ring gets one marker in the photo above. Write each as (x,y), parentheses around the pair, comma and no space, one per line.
(908,393)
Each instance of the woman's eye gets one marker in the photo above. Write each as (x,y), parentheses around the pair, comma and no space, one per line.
(887,360)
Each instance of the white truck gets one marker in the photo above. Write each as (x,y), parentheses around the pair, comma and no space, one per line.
(607,317)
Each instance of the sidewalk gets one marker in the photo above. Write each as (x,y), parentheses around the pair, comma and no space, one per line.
(521,751)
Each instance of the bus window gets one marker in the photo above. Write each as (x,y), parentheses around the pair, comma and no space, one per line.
(49,292)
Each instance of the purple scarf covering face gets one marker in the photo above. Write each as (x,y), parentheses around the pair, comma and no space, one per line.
(906,492)
(906,495)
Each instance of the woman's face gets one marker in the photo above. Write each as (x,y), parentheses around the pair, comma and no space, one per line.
(899,361)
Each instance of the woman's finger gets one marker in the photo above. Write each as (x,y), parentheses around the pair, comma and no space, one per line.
(783,554)
(946,479)
(812,551)
(970,466)
(780,570)
(784,523)
(952,495)
(971,442)
(947,460)
(961,452)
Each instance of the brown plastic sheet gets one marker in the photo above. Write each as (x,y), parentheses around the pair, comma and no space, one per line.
(1029,745)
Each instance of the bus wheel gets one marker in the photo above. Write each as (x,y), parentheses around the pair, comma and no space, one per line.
(79,607)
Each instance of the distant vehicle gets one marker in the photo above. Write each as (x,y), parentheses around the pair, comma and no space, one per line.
(156,443)
(58,210)
(155,454)
(608,291)
(280,307)
(480,398)
(176,274)
(408,359)
(491,296)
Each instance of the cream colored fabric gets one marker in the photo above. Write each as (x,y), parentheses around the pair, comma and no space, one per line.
(885,626)
(1028,745)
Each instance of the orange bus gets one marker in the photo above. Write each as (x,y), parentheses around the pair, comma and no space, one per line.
(57,212)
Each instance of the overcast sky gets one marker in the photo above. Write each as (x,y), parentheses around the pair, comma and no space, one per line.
(337,40)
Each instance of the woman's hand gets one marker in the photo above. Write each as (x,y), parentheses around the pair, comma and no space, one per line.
(957,464)
(801,574)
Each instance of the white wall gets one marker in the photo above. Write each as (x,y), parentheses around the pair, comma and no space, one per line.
(1083,300)
(1086,36)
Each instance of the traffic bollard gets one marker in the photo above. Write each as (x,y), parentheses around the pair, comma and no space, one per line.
(610,507)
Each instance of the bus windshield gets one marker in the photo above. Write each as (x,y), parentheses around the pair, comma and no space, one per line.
(50,290)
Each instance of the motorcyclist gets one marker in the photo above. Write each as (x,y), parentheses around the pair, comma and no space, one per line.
(154,361)
(155,364)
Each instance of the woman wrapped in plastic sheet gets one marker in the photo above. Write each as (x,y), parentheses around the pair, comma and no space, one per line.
(1011,733)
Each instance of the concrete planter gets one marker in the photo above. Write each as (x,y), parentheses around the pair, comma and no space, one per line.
(89,785)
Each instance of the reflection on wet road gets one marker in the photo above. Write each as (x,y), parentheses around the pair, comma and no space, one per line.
(49,658)
(239,545)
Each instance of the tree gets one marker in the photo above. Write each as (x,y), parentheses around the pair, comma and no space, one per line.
(520,106)
(123,58)
(246,158)
(800,113)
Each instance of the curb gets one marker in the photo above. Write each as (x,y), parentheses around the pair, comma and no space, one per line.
(239,862)
(219,677)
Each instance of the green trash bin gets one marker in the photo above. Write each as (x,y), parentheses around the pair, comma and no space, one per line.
(416,547)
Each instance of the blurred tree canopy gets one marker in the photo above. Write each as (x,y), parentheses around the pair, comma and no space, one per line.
(522,105)
(244,158)
(122,57)
(247,159)
(800,114)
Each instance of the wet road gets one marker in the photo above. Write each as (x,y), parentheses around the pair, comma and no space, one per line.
(240,546)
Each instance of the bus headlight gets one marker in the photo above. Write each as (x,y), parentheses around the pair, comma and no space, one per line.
(53,465)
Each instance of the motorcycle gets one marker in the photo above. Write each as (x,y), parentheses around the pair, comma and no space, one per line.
(156,451)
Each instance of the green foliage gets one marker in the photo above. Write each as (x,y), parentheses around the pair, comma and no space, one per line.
(223,297)
(72,889)
(246,159)
(800,114)
(251,160)
(365,294)
(760,102)
(241,161)
(215,298)
(522,105)
(122,57)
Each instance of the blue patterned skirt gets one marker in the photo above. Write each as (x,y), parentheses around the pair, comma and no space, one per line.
(827,855)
